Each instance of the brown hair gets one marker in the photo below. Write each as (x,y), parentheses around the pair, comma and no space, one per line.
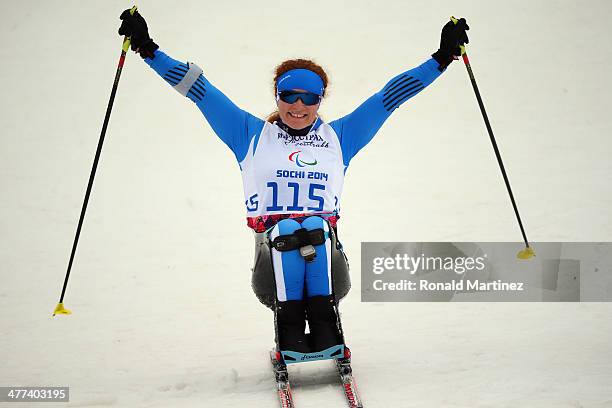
(288,65)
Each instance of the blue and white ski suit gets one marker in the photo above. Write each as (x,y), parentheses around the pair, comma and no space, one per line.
(290,181)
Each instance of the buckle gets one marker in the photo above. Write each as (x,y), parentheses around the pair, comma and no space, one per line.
(308,252)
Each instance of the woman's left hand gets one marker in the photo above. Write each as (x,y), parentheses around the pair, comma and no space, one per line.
(453,37)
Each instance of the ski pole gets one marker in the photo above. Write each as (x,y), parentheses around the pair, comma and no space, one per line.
(59,309)
(528,251)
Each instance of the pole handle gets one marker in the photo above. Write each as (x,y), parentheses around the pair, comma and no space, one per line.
(127,40)
(461,47)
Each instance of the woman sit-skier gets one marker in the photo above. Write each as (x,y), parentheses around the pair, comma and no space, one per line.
(293,166)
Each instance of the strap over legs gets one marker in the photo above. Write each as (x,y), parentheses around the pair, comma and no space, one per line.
(303,239)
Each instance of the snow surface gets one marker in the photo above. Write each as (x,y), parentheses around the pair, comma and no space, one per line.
(163,310)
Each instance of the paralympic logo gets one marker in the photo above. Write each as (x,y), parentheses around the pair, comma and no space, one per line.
(295,157)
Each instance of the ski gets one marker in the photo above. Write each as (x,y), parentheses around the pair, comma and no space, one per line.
(281,376)
(348,381)
(343,365)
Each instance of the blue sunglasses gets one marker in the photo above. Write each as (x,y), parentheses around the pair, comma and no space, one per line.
(307,98)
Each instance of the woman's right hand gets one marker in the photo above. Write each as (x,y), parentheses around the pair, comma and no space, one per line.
(135,26)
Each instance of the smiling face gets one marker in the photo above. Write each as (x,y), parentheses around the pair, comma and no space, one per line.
(297,115)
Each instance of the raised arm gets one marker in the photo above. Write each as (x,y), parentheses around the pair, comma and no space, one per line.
(234,126)
(356,129)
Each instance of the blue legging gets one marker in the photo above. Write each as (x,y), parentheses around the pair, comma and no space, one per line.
(292,272)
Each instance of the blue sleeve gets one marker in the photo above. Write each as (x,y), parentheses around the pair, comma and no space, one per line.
(234,126)
(356,129)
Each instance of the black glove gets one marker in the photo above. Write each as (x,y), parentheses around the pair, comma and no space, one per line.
(135,26)
(453,35)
